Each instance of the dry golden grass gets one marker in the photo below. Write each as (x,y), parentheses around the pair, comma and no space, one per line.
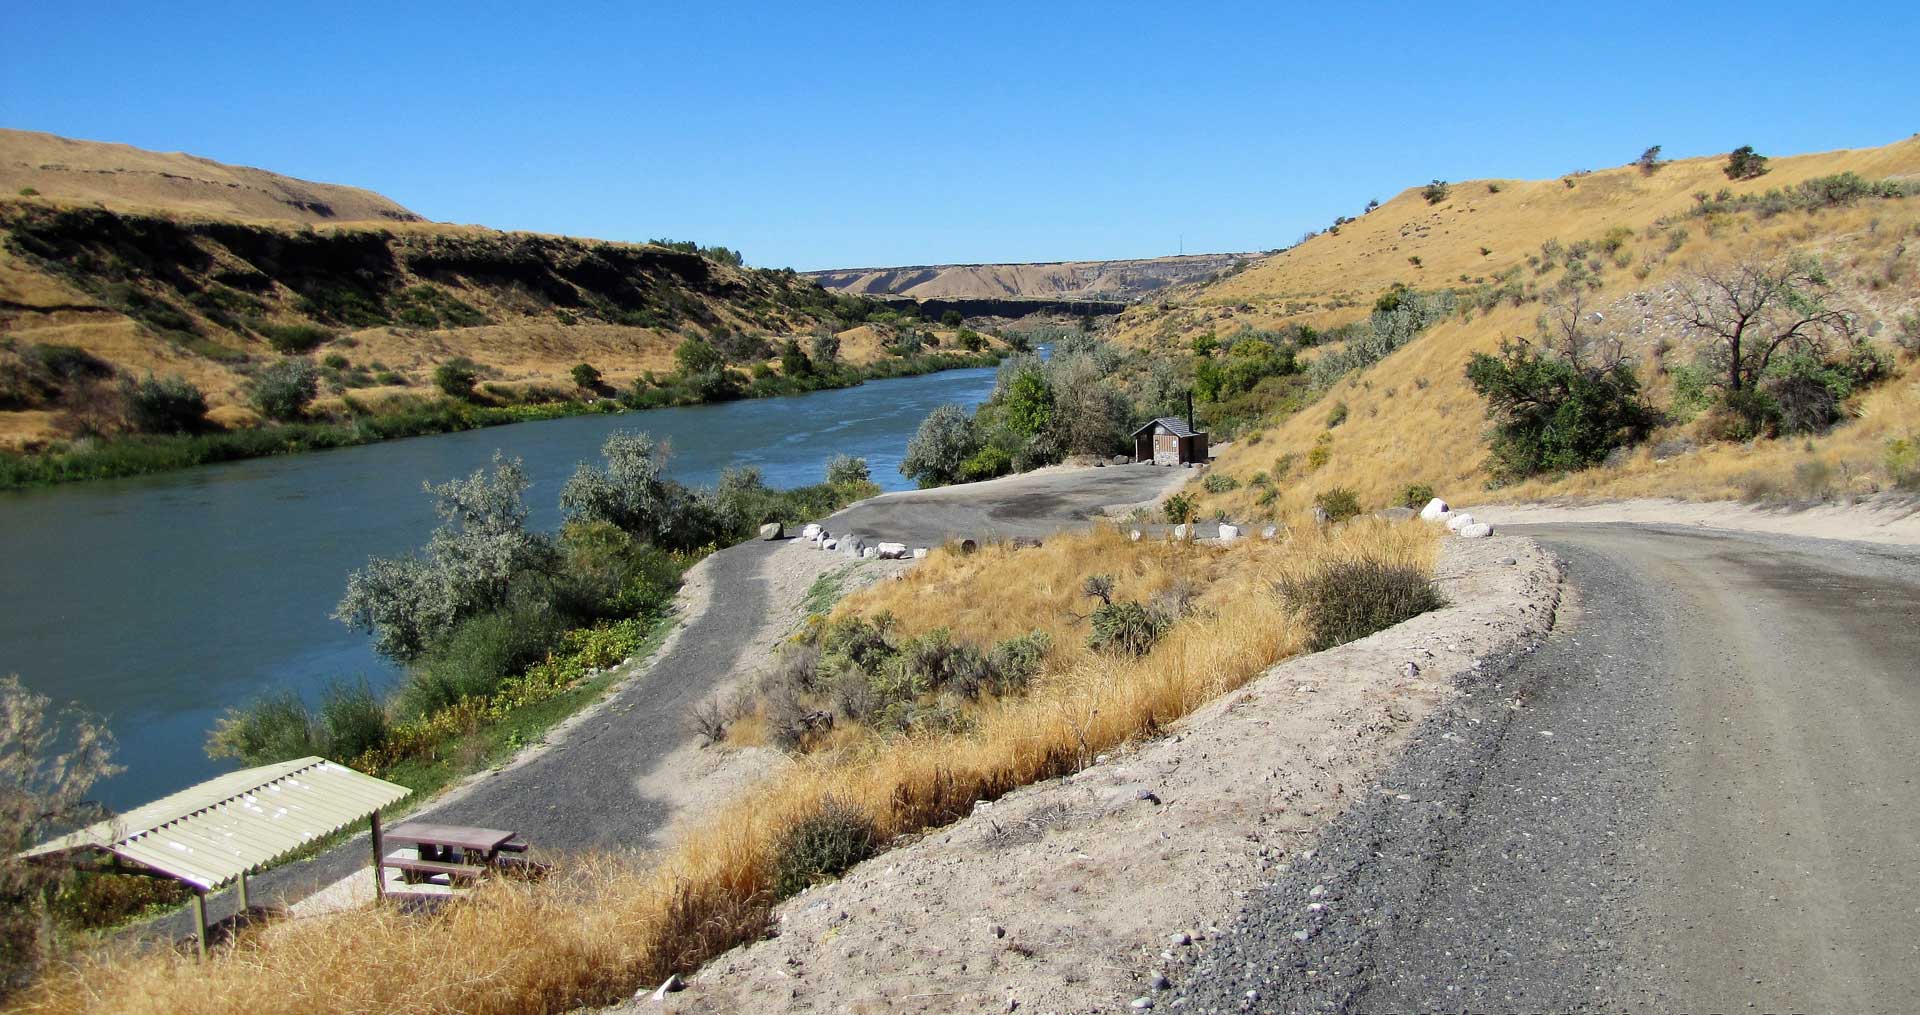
(609,926)
(1412,418)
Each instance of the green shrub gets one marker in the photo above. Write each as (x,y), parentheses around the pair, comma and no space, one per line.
(334,361)
(167,405)
(456,377)
(477,656)
(1321,453)
(1435,192)
(1177,509)
(1336,415)
(822,846)
(1741,416)
(1551,415)
(1902,461)
(986,463)
(844,469)
(1013,663)
(941,447)
(274,727)
(282,390)
(1125,627)
(1416,495)
(586,377)
(1339,503)
(1346,600)
(1743,163)
(1219,482)
(352,721)
(294,339)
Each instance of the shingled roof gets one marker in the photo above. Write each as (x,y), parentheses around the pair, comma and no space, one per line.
(1175,426)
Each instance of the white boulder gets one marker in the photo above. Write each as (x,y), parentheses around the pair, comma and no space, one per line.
(1229,533)
(772,530)
(869,552)
(811,531)
(1270,532)
(892,551)
(919,553)
(1180,531)
(829,544)
(1458,520)
(1478,530)
(1435,511)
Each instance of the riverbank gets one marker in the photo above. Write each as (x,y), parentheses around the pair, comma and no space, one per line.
(147,454)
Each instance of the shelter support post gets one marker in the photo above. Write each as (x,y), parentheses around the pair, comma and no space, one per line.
(200,922)
(241,887)
(379,856)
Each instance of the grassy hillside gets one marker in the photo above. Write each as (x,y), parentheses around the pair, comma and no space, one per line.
(124,178)
(92,299)
(1629,244)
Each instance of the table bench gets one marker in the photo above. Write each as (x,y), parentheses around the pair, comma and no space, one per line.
(412,869)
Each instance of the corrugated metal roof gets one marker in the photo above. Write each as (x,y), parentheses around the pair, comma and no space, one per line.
(1175,426)
(208,834)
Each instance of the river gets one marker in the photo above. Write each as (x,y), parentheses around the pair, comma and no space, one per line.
(160,601)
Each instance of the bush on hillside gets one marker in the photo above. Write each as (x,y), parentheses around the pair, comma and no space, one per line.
(1339,503)
(1219,482)
(1435,192)
(586,377)
(1346,600)
(1177,509)
(294,339)
(456,377)
(1553,416)
(1125,628)
(1416,495)
(1743,163)
(822,846)
(281,390)
(167,405)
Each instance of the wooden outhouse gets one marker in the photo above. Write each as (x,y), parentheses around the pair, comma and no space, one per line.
(1169,440)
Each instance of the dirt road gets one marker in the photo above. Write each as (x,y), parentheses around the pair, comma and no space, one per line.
(1699,795)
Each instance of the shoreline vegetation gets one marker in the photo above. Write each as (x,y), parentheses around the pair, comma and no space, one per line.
(130,455)
(503,633)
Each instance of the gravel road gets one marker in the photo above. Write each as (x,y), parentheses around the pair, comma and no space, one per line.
(1697,795)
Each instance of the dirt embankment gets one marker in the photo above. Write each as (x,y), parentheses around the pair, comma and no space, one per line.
(1064,896)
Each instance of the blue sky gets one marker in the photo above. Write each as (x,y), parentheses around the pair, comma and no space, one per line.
(822,135)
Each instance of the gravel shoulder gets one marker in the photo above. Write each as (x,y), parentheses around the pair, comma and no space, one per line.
(1062,896)
(1690,798)
(1885,518)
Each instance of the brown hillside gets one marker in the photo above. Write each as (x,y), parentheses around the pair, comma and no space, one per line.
(1412,418)
(207,300)
(124,178)
(1111,280)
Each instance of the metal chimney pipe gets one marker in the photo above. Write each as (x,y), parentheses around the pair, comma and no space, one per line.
(1189,409)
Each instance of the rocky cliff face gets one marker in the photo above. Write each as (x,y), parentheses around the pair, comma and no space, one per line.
(1099,280)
